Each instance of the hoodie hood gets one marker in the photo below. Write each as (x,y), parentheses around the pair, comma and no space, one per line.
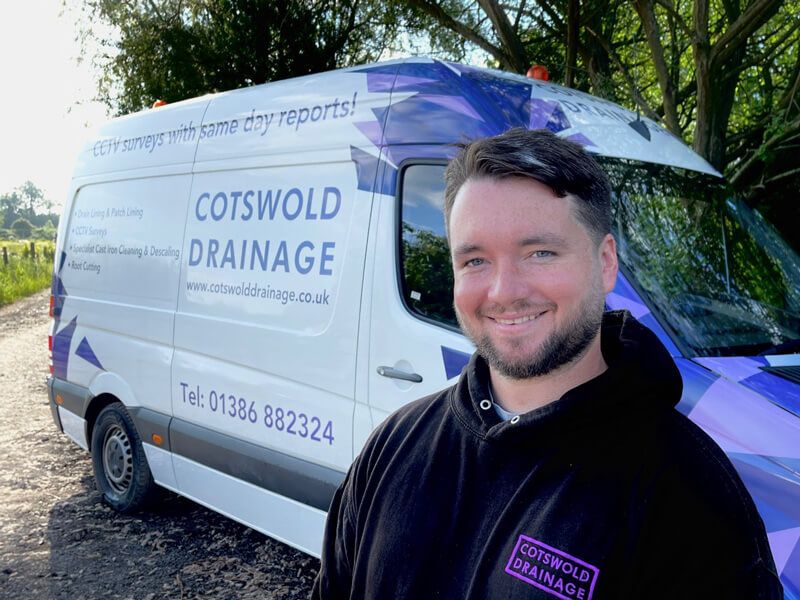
(641,377)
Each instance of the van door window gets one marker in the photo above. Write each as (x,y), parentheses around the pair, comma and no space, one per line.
(426,272)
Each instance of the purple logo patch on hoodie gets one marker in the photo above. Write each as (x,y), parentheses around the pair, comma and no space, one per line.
(552,570)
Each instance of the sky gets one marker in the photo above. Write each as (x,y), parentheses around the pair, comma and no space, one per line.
(46,97)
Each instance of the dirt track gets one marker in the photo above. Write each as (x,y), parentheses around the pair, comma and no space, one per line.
(58,539)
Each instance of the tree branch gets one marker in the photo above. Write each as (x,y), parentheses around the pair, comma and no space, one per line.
(787,100)
(552,13)
(791,131)
(438,13)
(667,4)
(509,40)
(767,54)
(519,15)
(783,175)
(653,35)
(758,13)
(637,97)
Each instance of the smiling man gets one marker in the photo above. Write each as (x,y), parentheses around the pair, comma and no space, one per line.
(557,466)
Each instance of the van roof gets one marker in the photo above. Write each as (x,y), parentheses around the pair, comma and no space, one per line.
(413,101)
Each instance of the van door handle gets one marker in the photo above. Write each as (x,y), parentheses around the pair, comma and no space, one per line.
(398,374)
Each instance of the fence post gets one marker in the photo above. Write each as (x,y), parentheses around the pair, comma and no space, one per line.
(5,256)
(33,250)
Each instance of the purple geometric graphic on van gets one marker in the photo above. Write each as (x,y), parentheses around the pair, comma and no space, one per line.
(62,341)
(780,391)
(408,83)
(734,368)
(380,78)
(86,353)
(367,171)
(547,114)
(581,139)
(696,381)
(783,544)
(617,301)
(774,483)
(508,101)
(790,578)
(421,83)
(437,112)
(454,361)
(453,103)
(381,114)
(742,421)
(419,120)
(775,498)
(380,82)
(747,371)
(57,289)
(373,130)
(624,291)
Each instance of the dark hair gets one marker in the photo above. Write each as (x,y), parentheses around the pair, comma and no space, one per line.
(563,166)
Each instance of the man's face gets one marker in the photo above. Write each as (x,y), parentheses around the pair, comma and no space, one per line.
(530,282)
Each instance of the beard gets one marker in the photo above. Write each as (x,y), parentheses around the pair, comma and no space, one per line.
(563,346)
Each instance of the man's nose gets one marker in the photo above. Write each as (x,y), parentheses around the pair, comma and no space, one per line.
(507,285)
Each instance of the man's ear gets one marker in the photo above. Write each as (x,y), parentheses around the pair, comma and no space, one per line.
(607,253)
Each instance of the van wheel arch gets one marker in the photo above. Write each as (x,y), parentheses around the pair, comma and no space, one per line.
(96,405)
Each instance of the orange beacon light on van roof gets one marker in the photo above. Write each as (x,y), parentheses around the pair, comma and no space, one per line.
(539,72)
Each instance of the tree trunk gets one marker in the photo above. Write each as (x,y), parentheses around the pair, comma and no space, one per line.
(573,25)
(594,55)
(651,29)
(702,64)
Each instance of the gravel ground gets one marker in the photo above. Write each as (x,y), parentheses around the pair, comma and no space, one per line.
(59,540)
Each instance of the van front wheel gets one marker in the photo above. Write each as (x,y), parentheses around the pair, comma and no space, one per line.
(119,462)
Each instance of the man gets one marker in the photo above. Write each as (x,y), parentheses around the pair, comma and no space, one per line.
(557,466)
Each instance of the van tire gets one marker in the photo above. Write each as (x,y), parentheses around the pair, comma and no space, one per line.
(120,466)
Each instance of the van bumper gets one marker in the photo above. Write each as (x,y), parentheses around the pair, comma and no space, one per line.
(53,406)
(68,405)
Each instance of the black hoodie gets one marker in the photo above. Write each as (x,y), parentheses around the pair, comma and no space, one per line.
(607,493)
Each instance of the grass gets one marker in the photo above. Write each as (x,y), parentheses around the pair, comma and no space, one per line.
(24,275)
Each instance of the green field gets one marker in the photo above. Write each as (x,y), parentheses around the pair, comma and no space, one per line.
(22,274)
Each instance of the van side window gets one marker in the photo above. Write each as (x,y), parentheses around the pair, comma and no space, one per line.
(426,273)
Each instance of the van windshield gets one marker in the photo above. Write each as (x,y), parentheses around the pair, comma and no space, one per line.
(710,266)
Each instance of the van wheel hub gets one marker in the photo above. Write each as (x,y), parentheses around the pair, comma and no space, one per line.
(117,459)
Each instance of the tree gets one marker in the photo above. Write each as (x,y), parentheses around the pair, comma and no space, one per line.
(176,49)
(28,201)
(22,228)
(9,208)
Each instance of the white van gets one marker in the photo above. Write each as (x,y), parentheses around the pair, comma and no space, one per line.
(247,283)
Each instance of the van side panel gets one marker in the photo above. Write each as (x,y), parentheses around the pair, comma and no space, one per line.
(267,318)
(119,282)
(270,294)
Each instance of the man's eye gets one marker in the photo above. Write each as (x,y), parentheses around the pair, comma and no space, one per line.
(474,262)
(543,254)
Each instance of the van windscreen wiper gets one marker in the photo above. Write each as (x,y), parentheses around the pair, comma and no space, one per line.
(789,347)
